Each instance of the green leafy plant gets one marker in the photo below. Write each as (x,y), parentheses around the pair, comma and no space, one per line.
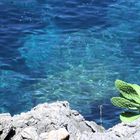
(129,99)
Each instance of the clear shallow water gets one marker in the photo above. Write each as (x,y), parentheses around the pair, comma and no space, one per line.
(70,50)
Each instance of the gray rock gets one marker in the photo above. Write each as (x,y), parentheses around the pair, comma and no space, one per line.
(48,117)
(60,134)
(28,133)
(45,121)
(5,125)
(130,131)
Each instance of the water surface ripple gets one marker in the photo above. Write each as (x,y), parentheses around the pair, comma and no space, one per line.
(68,50)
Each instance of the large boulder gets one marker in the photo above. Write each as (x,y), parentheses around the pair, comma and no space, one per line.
(51,120)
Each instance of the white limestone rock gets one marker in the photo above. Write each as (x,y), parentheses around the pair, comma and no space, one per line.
(56,121)
(28,133)
(5,125)
(60,134)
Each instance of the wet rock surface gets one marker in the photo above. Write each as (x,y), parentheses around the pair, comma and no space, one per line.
(56,121)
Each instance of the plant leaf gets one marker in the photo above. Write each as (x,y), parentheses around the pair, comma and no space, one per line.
(136,88)
(129,91)
(124,87)
(128,117)
(124,103)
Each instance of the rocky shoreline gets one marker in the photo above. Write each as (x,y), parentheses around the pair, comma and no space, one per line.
(56,121)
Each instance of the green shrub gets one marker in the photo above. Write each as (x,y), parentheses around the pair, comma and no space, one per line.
(129,99)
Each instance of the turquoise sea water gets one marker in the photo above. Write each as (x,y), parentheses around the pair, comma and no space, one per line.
(68,50)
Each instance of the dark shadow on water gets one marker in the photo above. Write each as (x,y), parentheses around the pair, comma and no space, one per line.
(15,25)
(81,14)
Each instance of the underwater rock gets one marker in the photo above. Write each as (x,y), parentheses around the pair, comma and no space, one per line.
(58,122)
